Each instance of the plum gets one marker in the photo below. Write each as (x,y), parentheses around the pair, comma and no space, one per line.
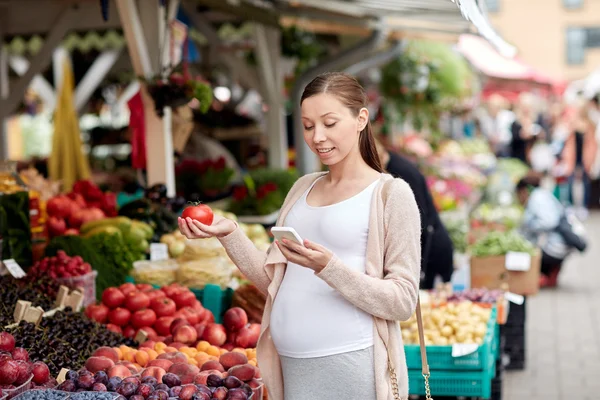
(171,380)
(231,382)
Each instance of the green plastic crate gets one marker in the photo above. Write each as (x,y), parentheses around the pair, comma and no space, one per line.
(453,383)
(212,297)
(440,357)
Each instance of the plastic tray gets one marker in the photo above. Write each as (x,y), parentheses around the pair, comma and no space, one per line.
(86,282)
(9,394)
(65,395)
(440,357)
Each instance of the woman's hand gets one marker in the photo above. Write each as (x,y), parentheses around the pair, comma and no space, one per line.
(193,229)
(311,255)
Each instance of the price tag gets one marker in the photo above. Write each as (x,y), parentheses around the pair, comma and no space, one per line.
(62,375)
(517,261)
(13,268)
(159,252)
(514,298)
(141,336)
(463,349)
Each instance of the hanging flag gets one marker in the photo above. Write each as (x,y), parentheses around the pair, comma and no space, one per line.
(137,125)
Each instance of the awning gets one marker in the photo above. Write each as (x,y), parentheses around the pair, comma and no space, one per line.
(490,62)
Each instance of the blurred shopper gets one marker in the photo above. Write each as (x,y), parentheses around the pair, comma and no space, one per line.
(578,157)
(437,250)
(543,213)
(496,123)
(526,129)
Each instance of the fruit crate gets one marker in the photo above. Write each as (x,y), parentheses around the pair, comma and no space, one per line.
(10,393)
(440,357)
(212,297)
(514,334)
(455,383)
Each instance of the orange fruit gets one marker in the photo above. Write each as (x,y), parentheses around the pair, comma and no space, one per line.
(214,351)
(239,350)
(159,346)
(252,362)
(202,345)
(170,349)
(119,352)
(213,358)
(201,357)
(130,356)
(142,358)
(152,353)
(124,349)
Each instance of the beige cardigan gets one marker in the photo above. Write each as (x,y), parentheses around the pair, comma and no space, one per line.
(388,290)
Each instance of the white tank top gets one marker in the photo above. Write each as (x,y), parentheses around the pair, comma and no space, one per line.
(310,318)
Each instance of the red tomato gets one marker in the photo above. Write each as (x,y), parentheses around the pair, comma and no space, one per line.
(97,312)
(200,212)
(163,307)
(136,301)
(163,325)
(156,294)
(143,318)
(144,287)
(184,298)
(129,332)
(119,316)
(113,297)
(127,288)
(171,290)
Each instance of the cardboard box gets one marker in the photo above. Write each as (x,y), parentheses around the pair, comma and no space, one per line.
(491,273)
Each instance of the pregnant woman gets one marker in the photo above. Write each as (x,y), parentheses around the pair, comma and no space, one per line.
(330,326)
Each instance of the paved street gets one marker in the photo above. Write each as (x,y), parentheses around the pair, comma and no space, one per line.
(563,334)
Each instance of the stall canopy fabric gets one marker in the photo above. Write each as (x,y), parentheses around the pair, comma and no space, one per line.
(490,62)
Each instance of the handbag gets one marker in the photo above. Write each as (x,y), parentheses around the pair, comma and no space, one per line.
(424,364)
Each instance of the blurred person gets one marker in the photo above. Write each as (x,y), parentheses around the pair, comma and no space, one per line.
(594,115)
(496,123)
(542,215)
(526,129)
(437,250)
(578,156)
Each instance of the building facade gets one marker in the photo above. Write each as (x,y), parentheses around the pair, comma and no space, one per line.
(560,38)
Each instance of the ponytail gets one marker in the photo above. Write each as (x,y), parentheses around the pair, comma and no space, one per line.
(368,148)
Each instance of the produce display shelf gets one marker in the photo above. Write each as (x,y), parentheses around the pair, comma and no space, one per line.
(455,383)
(440,357)
(212,297)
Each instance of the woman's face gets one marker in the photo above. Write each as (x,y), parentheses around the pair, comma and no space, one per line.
(330,128)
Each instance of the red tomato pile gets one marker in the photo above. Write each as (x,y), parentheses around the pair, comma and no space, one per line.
(129,308)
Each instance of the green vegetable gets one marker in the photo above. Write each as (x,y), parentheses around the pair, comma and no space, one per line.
(15,228)
(119,259)
(500,243)
(457,230)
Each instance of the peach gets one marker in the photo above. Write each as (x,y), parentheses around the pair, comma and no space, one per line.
(107,352)
(177,322)
(185,372)
(185,334)
(200,329)
(148,343)
(215,334)
(177,345)
(220,393)
(232,359)
(129,365)
(119,353)
(201,357)
(156,372)
(244,372)
(170,349)
(160,362)
(235,319)
(227,347)
(209,365)
(95,364)
(201,378)
(248,336)
(174,357)
(119,370)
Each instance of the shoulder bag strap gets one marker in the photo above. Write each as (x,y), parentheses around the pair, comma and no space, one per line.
(424,363)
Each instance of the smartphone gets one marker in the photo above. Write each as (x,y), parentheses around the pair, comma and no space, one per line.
(284,232)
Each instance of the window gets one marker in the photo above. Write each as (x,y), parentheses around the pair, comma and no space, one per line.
(492,5)
(592,38)
(573,3)
(576,43)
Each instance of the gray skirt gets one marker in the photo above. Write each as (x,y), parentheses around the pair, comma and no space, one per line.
(341,376)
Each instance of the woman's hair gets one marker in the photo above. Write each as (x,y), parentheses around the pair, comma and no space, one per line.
(529,183)
(352,95)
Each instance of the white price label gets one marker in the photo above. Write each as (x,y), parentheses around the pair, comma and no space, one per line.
(463,349)
(13,268)
(514,298)
(517,261)
(159,252)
